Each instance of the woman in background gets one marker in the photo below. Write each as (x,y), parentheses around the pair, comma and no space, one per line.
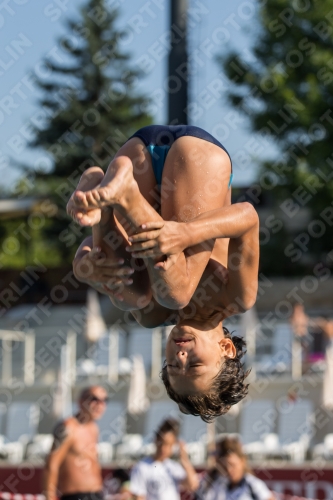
(158,477)
(231,479)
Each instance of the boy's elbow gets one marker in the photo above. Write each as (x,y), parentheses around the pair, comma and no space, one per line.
(248,303)
(250,213)
(174,301)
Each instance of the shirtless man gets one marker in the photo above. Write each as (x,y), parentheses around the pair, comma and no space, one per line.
(72,471)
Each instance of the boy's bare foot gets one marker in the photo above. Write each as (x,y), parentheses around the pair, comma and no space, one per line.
(76,207)
(116,189)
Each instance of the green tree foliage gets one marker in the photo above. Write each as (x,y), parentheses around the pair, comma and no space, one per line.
(284,84)
(92,107)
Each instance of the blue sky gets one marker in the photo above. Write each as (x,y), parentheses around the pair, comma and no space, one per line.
(29,30)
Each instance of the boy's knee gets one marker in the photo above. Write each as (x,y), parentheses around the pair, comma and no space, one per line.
(175,302)
(121,161)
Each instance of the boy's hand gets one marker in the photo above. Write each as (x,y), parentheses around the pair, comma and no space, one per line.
(157,239)
(109,276)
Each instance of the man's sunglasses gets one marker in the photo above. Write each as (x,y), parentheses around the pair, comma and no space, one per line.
(95,399)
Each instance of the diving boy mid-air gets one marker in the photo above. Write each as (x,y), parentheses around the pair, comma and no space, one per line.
(168,245)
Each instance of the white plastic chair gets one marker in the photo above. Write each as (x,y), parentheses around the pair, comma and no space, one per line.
(257,419)
(328,442)
(22,419)
(40,447)
(325,449)
(14,452)
(131,447)
(197,453)
(271,442)
(105,452)
(295,429)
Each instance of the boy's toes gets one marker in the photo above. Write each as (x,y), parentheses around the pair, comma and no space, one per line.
(105,195)
(70,208)
(80,199)
(93,197)
(90,218)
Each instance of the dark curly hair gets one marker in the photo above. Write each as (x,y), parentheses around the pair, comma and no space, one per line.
(227,389)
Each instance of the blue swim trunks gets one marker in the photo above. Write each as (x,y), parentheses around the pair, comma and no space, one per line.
(158,139)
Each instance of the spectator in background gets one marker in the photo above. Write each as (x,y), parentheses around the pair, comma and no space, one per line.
(119,486)
(72,471)
(299,321)
(231,479)
(327,326)
(160,478)
(306,329)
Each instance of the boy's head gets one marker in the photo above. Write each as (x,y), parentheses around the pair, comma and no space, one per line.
(203,372)
(166,437)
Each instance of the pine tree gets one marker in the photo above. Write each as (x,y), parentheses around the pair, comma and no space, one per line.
(92,107)
(284,84)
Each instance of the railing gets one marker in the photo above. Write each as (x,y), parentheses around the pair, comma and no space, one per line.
(60,352)
(41,364)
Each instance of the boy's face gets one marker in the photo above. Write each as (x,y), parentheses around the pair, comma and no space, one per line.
(165,444)
(195,355)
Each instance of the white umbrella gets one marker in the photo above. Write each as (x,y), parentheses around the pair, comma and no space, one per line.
(137,398)
(95,327)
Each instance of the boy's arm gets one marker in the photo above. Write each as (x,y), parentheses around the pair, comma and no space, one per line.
(239,223)
(240,292)
(170,238)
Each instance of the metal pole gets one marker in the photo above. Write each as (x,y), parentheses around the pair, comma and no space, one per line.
(65,381)
(6,361)
(178,64)
(71,352)
(113,356)
(211,436)
(156,358)
(29,358)
(296,358)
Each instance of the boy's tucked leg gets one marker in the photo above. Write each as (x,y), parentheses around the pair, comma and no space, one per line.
(112,241)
